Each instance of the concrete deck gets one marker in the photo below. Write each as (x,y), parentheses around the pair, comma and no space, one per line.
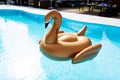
(69,15)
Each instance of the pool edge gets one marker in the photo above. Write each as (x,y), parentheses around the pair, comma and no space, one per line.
(77,17)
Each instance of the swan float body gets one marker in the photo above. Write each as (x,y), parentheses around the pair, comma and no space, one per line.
(62,45)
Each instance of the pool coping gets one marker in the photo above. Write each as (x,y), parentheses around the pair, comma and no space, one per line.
(73,16)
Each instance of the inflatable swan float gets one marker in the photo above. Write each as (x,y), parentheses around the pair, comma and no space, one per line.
(62,45)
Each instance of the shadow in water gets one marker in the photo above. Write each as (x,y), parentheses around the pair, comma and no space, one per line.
(52,57)
(84,59)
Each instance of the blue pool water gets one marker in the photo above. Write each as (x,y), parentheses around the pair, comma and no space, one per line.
(21,58)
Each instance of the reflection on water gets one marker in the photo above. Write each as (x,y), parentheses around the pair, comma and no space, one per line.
(20,55)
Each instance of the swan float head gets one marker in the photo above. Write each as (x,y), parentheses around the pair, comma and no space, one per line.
(62,45)
(54,14)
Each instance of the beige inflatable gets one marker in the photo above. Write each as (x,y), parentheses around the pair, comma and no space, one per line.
(60,45)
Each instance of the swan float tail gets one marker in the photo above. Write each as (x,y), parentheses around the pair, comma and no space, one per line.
(82,31)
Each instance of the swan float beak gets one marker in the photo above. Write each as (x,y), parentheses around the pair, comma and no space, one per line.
(46,24)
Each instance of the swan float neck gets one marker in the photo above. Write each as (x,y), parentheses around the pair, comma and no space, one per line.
(51,36)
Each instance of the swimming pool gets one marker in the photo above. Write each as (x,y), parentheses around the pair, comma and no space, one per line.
(20,57)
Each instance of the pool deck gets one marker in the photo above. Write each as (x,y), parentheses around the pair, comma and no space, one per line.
(69,15)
